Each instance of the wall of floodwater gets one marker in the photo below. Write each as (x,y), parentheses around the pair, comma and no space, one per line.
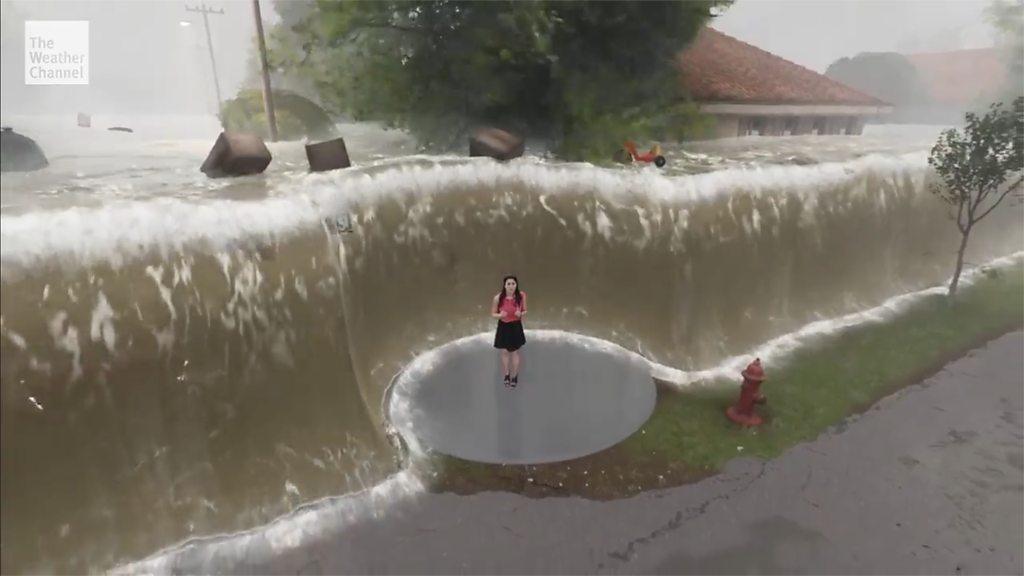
(182,366)
(686,271)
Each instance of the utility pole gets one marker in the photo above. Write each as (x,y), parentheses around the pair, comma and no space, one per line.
(268,98)
(213,63)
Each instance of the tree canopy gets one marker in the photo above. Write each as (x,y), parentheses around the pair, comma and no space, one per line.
(583,75)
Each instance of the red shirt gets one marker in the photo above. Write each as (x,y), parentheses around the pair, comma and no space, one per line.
(507,307)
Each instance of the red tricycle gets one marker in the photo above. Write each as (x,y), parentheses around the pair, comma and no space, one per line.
(629,154)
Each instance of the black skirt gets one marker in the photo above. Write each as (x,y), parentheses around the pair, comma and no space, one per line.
(509,336)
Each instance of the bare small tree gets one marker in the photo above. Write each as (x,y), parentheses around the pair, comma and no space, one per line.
(979,168)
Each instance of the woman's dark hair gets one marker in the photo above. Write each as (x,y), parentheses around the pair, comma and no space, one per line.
(501,295)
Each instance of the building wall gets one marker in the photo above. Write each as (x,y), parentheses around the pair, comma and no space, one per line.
(735,125)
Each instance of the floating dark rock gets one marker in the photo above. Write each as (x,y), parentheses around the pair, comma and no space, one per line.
(236,154)
(497,144)
(20,153)
(120,129)
(329,155)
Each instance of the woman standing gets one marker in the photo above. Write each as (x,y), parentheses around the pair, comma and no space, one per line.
(509,307)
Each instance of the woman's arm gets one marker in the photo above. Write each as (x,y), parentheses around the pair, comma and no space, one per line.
(522,309)
(494,308)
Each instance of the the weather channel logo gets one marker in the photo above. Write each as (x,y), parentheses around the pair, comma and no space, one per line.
(56,52)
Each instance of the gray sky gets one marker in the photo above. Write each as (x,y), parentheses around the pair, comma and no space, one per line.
(142,59)
(144,62)
(815,33)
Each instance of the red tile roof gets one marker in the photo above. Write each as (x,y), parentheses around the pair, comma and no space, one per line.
(960,77)
(719,68)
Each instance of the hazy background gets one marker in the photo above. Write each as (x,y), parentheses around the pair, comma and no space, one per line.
(816,33)
(143,61)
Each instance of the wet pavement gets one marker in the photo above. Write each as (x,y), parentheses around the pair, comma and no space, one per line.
(572,399)
(929,480)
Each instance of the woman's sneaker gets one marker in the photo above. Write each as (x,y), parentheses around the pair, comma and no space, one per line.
(508,381)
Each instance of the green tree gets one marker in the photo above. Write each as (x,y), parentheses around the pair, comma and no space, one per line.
(979,168)
(583,75)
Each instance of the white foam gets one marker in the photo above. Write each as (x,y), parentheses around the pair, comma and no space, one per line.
(157,274)
(102,325)
(65,337)
(15,338)
(778,348)
(604,224)
(123,231)
(302,526)
(543,202)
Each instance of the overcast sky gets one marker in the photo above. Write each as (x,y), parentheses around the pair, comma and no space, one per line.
(143,61)
(815,33)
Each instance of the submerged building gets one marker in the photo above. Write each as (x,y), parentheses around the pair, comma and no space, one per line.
(752,92)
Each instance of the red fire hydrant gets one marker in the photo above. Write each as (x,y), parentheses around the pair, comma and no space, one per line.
(750,393)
